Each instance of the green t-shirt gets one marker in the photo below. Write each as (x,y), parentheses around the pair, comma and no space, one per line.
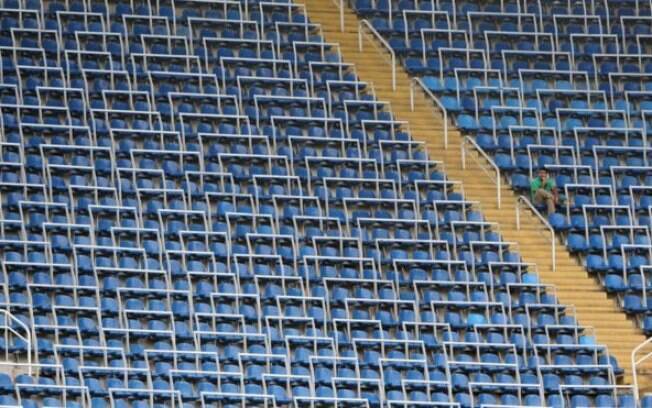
(536,184)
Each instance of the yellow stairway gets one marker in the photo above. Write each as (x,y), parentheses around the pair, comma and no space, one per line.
(574,285)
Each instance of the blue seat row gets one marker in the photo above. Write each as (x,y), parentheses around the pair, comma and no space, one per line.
(202,204)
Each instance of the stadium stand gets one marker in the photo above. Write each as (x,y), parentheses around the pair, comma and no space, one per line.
(203,205)
(555,85)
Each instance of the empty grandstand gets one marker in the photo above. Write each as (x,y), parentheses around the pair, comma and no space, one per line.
(203,203)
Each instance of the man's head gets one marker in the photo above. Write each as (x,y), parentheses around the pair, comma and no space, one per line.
(543,174)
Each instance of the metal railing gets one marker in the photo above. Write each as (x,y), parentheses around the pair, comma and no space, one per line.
(490,172)
(9,324)
(636,362)
(384,42)
(553,241)
(340,6)
(432,96)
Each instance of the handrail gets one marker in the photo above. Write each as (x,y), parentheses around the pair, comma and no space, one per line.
(383,42)
(435,99)
(468,139)
(7,325)
(636,362)
(340,6)
(553,241)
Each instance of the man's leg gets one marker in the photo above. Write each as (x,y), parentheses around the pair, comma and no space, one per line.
(543,196)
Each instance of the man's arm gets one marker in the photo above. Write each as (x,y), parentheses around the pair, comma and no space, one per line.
(534,186)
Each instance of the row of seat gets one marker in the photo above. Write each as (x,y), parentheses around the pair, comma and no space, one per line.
(578,109)
(214,210)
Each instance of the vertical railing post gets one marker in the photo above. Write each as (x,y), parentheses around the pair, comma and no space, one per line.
(393,71)
(498,192)
(518,214)
(463,154)
(412,96)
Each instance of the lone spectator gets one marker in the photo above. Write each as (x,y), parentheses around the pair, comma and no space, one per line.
(544,191)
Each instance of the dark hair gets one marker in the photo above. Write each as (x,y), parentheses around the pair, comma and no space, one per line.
(543,169)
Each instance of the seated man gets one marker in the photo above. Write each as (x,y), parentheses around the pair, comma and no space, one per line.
(544,191)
